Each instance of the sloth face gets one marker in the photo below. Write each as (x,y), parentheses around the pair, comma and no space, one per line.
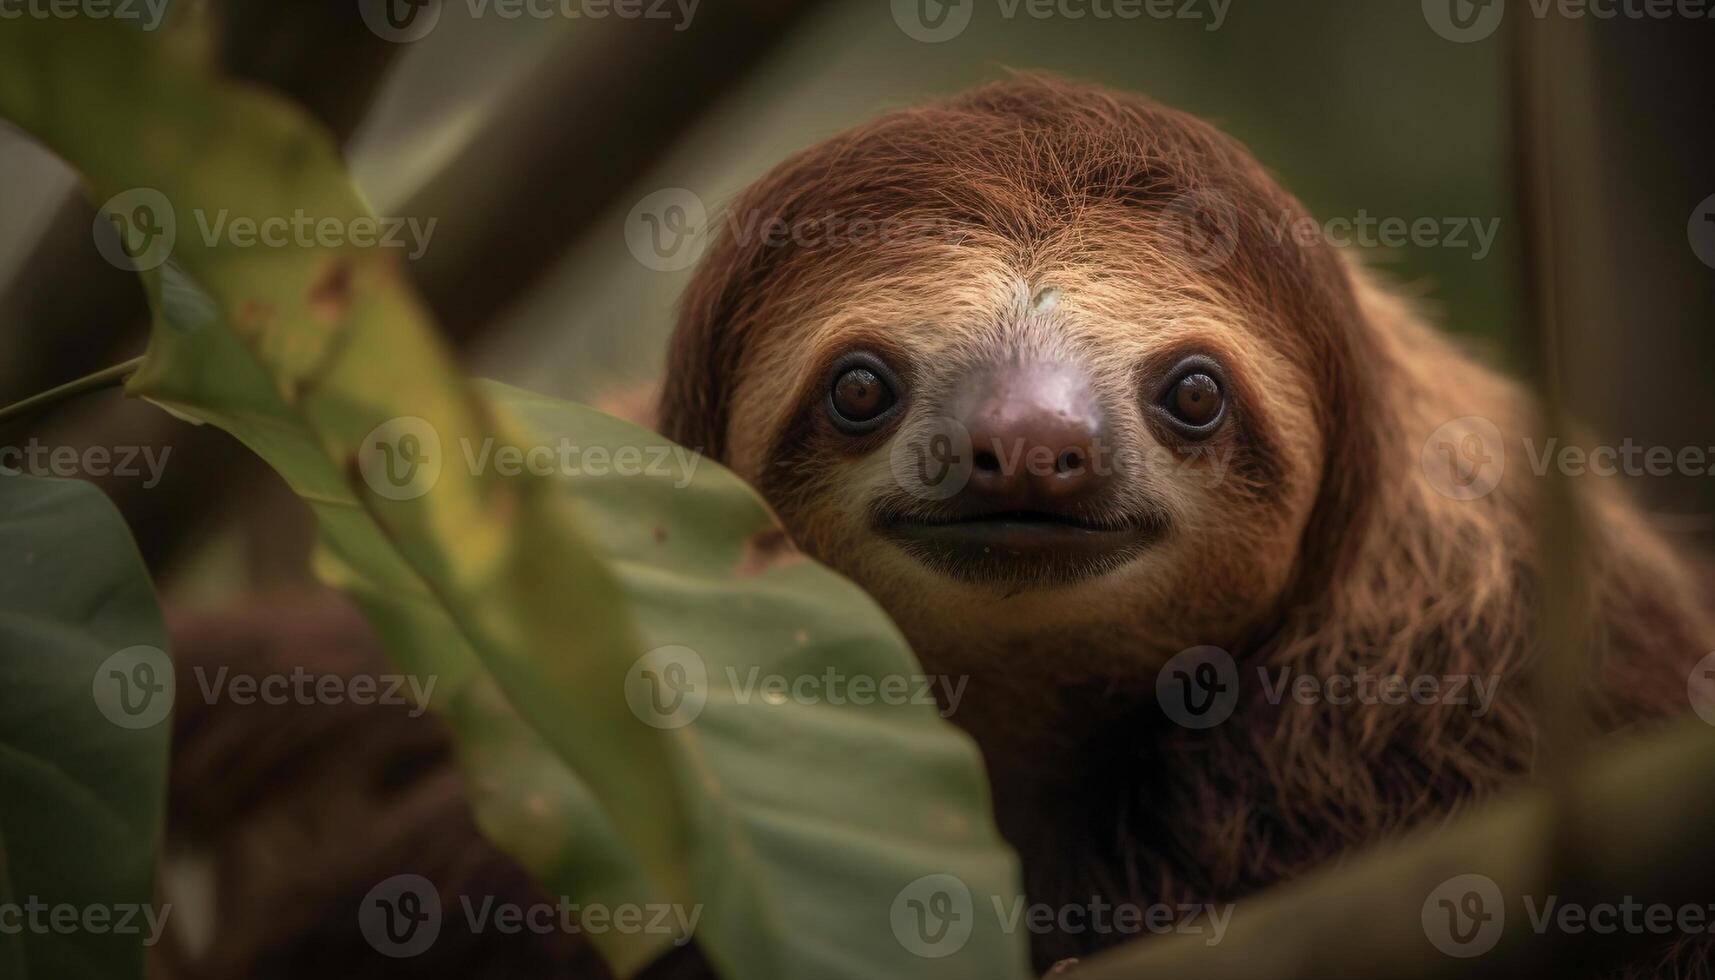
(1069,453)
(1035,368)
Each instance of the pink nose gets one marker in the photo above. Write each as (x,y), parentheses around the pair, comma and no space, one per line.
(1036,433)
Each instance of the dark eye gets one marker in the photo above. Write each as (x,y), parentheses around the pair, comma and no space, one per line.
(1195,401)
(861,395)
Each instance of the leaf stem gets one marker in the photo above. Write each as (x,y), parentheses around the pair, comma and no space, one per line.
(107,377)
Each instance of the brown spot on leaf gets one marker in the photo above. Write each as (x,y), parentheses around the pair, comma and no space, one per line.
(252,318)
(765,550)
(660,534)
(330,296)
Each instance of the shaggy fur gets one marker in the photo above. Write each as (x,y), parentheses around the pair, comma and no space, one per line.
(1043,220)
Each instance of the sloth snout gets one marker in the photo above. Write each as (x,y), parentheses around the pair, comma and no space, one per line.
(1036,434)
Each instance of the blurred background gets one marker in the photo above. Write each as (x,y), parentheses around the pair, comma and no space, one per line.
(529,141)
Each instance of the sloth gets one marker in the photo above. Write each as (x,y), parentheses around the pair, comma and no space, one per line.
(1036,369)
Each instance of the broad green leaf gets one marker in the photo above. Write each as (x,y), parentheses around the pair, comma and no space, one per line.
(149,125)
(85,697)
(624,618)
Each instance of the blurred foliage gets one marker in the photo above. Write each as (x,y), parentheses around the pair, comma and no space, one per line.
(312,356)
(84,777)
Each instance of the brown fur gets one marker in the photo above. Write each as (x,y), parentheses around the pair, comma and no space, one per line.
(1325,549)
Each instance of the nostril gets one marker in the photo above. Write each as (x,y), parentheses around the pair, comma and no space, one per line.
(987,462)
(1070,461)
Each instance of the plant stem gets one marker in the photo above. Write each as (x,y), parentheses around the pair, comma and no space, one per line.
(107,377)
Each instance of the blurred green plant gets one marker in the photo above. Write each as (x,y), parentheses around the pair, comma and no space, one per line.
(792,828)
(84,689)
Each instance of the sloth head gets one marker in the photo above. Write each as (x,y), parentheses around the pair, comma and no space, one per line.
(1030,367)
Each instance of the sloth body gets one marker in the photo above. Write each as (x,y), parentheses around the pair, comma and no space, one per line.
(1169,447)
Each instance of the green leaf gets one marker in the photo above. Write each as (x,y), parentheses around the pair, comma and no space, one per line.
(85,695)
(809,836)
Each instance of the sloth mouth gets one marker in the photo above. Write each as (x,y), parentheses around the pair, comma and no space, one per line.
(1021,547)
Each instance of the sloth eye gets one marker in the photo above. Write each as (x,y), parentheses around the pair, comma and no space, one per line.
(1195,402)
(861,395)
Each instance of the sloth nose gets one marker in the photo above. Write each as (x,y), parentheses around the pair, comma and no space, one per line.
(1036,436)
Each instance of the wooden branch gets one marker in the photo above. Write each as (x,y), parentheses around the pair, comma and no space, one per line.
(569,139)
